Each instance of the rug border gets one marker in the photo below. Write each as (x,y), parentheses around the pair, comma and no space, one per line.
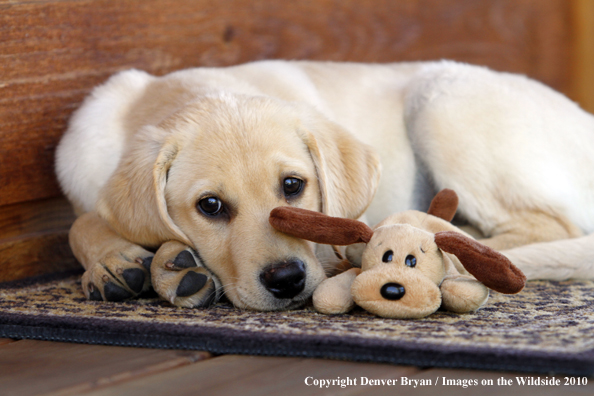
(246,342)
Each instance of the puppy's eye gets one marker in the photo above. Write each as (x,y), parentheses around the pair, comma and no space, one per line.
(410,261)
(210,206)
(388,256)
(292,186)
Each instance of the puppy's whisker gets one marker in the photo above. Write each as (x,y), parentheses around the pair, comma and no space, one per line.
(223,289)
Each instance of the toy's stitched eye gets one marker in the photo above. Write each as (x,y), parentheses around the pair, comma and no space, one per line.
(210,206)
(388,256)
(410,261)
(292,186)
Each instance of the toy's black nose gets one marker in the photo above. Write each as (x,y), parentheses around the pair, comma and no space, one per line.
(392,291)
(285,279)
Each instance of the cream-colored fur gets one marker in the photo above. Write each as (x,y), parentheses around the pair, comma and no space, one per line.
(141,151)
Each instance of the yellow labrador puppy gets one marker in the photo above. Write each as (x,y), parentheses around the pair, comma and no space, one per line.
(189,165)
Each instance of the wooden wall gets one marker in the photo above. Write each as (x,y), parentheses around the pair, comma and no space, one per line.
(582,43)
(53,52)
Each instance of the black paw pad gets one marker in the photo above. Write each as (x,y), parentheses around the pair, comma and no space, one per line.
(146,263)
(191,283)
(184,260)
(134,277)
(114,292)
(94,295)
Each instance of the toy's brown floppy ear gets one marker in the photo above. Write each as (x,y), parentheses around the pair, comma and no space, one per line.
(444,204)
(488,266)
(317,227)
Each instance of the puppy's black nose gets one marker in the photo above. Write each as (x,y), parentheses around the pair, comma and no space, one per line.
(392,291)
(285,279)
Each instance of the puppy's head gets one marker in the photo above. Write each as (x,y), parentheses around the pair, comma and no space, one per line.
(210,174)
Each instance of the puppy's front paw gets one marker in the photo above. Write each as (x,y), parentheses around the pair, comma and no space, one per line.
(179,277)
(119,275)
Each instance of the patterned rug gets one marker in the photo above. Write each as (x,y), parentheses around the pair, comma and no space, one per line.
(548,328)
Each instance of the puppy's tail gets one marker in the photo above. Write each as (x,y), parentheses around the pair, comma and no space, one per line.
(557,260)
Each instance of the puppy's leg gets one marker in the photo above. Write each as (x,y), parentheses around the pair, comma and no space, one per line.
(179,277)
(557,260)
(508,146)
(526,227)
(115,268)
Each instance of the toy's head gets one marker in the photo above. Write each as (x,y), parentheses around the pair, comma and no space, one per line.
(402,269)
(412,264)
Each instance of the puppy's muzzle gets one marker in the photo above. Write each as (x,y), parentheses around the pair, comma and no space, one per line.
(285,279)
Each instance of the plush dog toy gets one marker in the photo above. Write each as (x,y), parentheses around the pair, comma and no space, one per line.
(412,264)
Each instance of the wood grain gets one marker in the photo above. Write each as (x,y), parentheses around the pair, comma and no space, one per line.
(32,217)
(35,254)
(49,368)
(583,51)
(34,239)
(250,375)
(54,52)
(29,367)
(254,375)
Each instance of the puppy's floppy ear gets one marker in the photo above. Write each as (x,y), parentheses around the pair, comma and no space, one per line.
(133,201)
(348,169)
(160,171)
(490,267)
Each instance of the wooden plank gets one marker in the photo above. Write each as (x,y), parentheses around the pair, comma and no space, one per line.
(30,367)
(34,239)
(36,367)
(253,375)
(35,254)
(451,382)
(33,217)
(244,375)
(248,375)
(583,51)
(54,52)
(292,380)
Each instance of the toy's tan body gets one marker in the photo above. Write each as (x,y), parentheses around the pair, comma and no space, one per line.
(437,279)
